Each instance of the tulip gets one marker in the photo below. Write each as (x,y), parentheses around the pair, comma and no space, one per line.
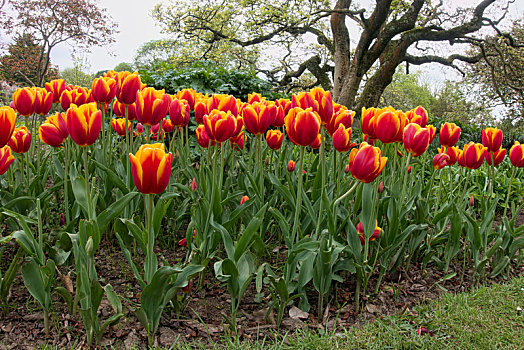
(24,100)
(389,126)
(228,104)
(127,86)
(244,199)
(372,141)
(118,125)
(202,137)
(471,201)
(280,117)
(316,142)
(304,100)
(380,188)
(103,90)
(237,141)
(120,110)
(516,155)
(342,116)
(194,185)
(291,166)
(255,97)
(240,125)
(274,139)
(200,111)
(220,125)
(151,168)
(452,152)
(189,95)
(325,104)
(139,128)
(179,112)
(342,139)
(365,163)
(151,106)
(449,134)
(56,87)
(432,133)
(368,118)
(110,74)
(54,131)
(362,235)
(43,101)
(440,160)
(302,126)
(492,139)
(258,117)
(6,158)
(346,169)
(167,125)
(472,155)
(84,123)
(20,140)
(416,139)
(409,169)
(418,115)
(78,96)
(7,124)
(497,156)
(285,104)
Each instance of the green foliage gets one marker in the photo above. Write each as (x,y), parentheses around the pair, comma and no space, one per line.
(407,91)
(123,67)
(206,78)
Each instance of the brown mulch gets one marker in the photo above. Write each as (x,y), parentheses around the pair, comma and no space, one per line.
(22,326)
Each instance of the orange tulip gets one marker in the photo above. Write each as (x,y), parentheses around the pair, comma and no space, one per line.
(203,138)
(362,235)
(516,155)
(365,163)
(341,116)
(120,109)
(440,160)
(78,96)
(24,101)
(179,112)
(418,115)
(255,97)
(6,158)
(56,87)
(7,124)
(244,199)
(416,139)
(151,106)
(151,168)
(492,139)
(291,166)
(21,140)
(449,134)
(84,123)
(54,131)
(389,126)
(189,95)
(258,117)
(342,139)
(325,104)
(220,125)
(274,139)
(103,90)
(118,125)
(279,118)
(302,126)
(43,101)
(472,156)
(127,86)
(497,156)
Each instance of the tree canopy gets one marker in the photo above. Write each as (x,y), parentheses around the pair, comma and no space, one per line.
(289,38)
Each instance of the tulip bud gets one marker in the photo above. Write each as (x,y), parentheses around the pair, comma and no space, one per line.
(267,161)
(409,169)
(187,289)
(62,219)
(244,199)
(291,166)
(423,330)
(346,169)
(194,185)
(89,246)
(381,187)
(471,201)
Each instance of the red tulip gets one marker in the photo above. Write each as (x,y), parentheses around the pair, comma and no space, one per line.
(78,96)
(452,152)
(342,139)
(341,116)
(151,168)
(237,141)
(194,185)
(56,87)
(118,125)
(203,138)
(365,163)
(449,134)
(418,115)
(516,155)
(244,199)
(21,140)
(497,156)
(274,139)
(440,160)
(151,106)
(179,112)
(389,126)
(285,104)
(258,117)
(220,125)
(302,126)
(7,124)
(472,155)
(189,95)
(280,117)
(127,86)
(362,235)
(200,111)
(167,125)
(84,123)
(120,109)
(43,101)
(54,131)
(325,104)
(316,142)
(103,90)
(492,139)
(24,100)
(291,166)
(6,158)
(416,139)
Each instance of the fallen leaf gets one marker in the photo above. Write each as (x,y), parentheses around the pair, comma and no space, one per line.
(296,314)
(372,309)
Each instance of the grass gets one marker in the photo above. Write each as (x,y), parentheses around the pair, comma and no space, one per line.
(485,318)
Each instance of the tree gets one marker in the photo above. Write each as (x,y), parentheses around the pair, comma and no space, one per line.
(407,91)
(79,73)
(20,64)
(52,22)
(391,32)
(123,66)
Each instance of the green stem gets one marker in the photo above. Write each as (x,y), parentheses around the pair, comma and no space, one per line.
(66,182)
(463,198)
(403,193)
(323,180)
(151,265)
(88,193)
(509,192)
(299,196)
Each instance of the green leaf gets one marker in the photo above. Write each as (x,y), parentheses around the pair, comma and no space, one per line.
(114,210)
(34,280)
(245,240)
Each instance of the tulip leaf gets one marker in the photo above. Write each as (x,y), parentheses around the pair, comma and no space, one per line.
(114,210)
(113,177)
(246,239)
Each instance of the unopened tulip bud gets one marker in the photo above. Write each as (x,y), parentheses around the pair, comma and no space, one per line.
(346,169)
(291,166)
(89,246)
(409,169)
(381,187)
(471,201)
(244,199)
(62,219)
(194,185)
(267,160)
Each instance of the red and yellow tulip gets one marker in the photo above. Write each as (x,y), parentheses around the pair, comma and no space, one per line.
(516,155)
(179,112)
(362,235)
(118,125)
(78,96)
(274,139)
(418,115)
(389,126)
(103,90)
(20,140)
(342,139)
(452,152)
(220,125)
(24,101)
(237,141)
(341,116)
(472,156)
(151,168)
(120,109)
(189,95)
(495,157)
(291,166)
(258,117)
(302,126)
(203,138)
(416,139)
(365,163)
(325,104)
(127,86)
(151,106)
(440,160)
(56,87)
(43,101)
(6,158)
(84,123)
(7,124)
(54,131)
(492,139)
(449,134)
